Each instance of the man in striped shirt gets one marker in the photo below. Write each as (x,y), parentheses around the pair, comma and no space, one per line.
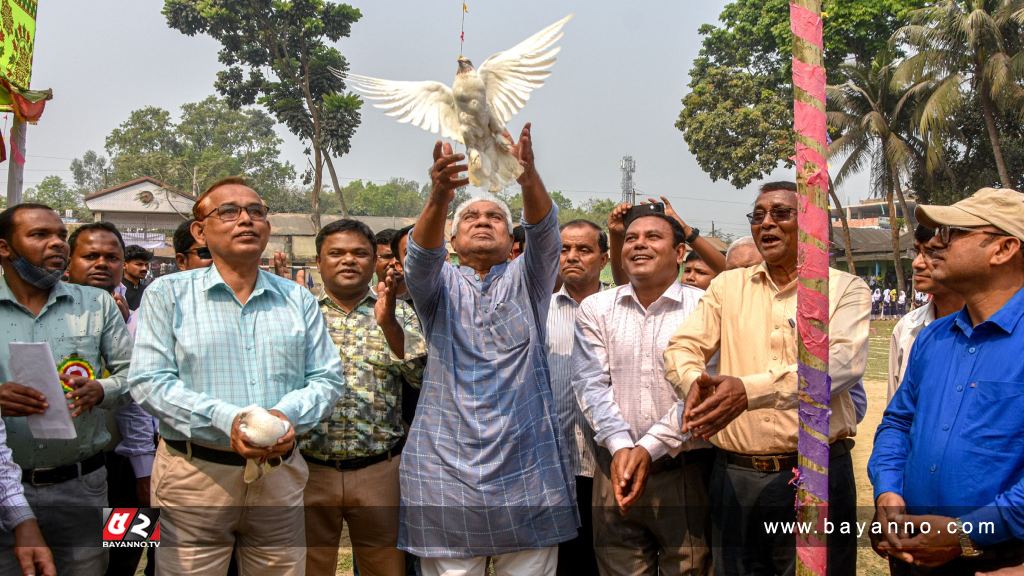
(584,255)
(650,510)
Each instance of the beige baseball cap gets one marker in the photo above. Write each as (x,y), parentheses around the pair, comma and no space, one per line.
(999,207)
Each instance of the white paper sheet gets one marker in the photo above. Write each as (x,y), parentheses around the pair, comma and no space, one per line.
(32,365)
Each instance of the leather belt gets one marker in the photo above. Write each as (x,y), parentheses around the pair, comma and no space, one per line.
(772,463)
(361,462)
(213,455)
(58,474)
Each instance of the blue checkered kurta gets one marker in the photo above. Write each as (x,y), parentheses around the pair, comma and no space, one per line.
(482,473)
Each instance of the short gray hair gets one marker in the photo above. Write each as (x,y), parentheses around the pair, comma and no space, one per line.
(745,240)
(457,217)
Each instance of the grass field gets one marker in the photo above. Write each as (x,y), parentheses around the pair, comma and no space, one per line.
(875,384)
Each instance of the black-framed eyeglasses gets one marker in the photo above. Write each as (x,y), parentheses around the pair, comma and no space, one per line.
(779,214)
(231,212)
(945,233)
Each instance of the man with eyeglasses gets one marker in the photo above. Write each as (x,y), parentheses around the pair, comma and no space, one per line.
(211,342)
(943,303)
(749,410)
(948,457)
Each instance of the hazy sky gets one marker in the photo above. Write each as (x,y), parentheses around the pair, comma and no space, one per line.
(615,90)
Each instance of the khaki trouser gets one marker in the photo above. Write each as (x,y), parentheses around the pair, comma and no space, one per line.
(367,499)
(207,508)
(665,531)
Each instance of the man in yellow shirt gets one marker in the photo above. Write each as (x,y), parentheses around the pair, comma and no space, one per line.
(749,411)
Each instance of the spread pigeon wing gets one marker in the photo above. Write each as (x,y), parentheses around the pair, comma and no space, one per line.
(429,105)
(509,76)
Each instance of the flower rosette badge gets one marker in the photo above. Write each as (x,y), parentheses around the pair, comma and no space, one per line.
(75,366)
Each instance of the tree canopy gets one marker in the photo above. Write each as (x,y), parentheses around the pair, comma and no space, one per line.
(211,141)
(738,116)
(276,55)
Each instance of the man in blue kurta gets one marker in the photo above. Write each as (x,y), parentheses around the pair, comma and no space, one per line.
(948,457)
(482,473)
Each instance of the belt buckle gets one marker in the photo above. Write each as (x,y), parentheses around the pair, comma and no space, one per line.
(765,463)
(32,477)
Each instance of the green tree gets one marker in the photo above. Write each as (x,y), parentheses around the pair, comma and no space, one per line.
(737,118)
(289,198)
(210,142)
(396,197)
(872,116)
(965,46)
(276,55)
(91,172)
(56,194)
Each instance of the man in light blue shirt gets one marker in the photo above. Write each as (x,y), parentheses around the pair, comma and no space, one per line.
(211,342)
(483,473)
(63,480)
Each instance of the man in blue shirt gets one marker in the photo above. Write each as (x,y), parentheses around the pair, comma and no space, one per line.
(948,460)
(482,473)
(211,342)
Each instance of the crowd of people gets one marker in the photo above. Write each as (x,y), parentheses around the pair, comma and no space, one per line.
(510,412)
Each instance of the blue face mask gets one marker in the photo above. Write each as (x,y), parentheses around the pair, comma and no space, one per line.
(42,278)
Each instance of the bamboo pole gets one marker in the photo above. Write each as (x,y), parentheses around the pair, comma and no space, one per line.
(812,290)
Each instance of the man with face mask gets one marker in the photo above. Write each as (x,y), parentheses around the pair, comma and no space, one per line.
(64,480)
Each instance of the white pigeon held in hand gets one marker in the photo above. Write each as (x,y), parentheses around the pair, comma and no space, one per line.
(476,108)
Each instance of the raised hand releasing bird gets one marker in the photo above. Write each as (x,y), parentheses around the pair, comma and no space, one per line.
(476,108)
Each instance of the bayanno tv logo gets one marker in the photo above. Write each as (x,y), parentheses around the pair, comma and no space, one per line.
(131,527)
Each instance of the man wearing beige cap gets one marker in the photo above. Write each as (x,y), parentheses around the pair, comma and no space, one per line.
(949,454)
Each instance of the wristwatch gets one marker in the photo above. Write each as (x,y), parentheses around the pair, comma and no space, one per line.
(967,549)
(694,233)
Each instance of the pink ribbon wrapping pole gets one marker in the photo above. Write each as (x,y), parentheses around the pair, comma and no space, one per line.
(809,127)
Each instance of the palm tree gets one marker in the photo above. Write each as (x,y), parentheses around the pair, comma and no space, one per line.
(960,45)
(871,116)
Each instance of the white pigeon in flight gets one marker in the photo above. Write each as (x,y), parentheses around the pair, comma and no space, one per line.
(476,108)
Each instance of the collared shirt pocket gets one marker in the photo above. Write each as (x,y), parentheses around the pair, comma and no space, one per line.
(992,413)
(510,326)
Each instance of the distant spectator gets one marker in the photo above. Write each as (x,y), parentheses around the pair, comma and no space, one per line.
(742,253)
(387,259)
(696,272)
(136,268)
(518,242)
(189,253)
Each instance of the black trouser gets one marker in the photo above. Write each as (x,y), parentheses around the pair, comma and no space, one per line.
(121,493)
(577,555)
(743,500)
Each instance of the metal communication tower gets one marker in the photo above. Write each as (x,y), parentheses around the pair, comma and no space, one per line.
(628,191)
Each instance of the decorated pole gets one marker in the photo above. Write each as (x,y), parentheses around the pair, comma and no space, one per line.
(17,44)
(812,290)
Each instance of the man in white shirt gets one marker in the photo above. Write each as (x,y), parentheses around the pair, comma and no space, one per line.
(584,255)
(650,502)
(944,302)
